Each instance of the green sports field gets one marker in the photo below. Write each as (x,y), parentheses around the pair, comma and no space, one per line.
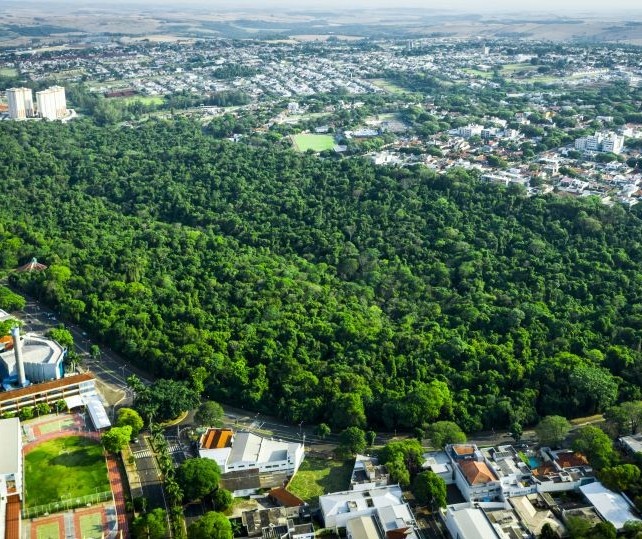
(317,143)
(48,531)
(91,525)
(144,99)
(388,86)
(8,72)
(66,468)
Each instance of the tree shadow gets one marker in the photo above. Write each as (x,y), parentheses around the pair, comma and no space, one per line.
(76,458)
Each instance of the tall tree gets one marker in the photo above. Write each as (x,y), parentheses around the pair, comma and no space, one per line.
(212,525)
(209,414)
(198,477)
(116,438)
(625,418)
(429,489)
(10,301)
(353,440)
(552,430)
(152,525)
(619,477)
(596,445)
(127,416)
(444,432)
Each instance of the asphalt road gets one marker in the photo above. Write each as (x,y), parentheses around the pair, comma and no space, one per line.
(149,473)
(109,369)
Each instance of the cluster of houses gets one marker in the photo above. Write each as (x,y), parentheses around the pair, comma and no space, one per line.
(501,492)
(510,493)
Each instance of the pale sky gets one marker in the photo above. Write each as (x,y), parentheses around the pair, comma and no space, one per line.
(478,6)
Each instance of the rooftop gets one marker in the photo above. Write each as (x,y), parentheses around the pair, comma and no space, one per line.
(360,500)
(285,497)
(611,506)
(477,473)
(534,514)
(569,459)
(362,528)
(12,517)
(472,523)
(632,443)
(249,447)
(461,450)
(11,446)
(37,350)
(217,439)
(437,461)
(46,386)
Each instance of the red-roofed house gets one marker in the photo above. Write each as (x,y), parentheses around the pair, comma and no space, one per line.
(474,475)
(477,473)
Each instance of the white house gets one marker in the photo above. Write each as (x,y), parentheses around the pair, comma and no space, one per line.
(474,475)
(469,523)
(340,507)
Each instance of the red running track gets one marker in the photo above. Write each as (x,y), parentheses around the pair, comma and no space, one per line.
(113,471)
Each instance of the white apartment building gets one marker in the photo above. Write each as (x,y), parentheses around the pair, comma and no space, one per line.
(470,130)
(20,102)
(601,142)
(52,103)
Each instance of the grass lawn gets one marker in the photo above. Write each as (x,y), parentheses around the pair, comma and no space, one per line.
(71,465)
(91,525)
(388,86)
(318,143)
(144,99)
(48,531)
(318,476)
(8,72)
(513,68)
(479,73)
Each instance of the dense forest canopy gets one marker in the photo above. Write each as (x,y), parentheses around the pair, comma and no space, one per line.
(326,290)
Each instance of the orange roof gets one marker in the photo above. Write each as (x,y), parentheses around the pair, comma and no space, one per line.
(217,439)
(7,340)
(477,473)
(12,517)
(285,497)
(572,460)
(46,386)
(544,469)
(463,449)
(399,533)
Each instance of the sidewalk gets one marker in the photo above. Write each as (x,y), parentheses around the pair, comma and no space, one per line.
(116,483)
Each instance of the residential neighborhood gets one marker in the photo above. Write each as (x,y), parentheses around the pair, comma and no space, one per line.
(307,286)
